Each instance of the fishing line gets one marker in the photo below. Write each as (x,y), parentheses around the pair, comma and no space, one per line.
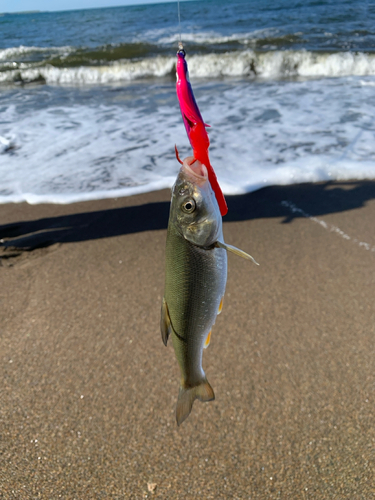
(180,46)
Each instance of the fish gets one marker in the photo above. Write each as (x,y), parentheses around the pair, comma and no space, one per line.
(195,279)
(195,126)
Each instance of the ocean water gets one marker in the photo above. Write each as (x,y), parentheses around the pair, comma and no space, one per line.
(88,107)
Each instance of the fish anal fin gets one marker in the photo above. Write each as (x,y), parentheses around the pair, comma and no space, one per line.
(221,305)
(208,340)
(188,395)
(165,322)
(236,251)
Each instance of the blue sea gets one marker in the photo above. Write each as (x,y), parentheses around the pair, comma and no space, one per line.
(88,107)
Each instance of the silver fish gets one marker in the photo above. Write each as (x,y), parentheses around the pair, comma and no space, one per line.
(195,279)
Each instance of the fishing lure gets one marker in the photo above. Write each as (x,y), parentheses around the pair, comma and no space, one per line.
(195,126)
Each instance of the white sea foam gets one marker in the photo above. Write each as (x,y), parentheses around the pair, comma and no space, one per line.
(267,65)
(14,53)
(368,84)
(209,37)
(5,144)
(263,133)
(63,154)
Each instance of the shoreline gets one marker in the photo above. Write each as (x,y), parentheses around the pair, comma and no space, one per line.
(100,196)
(26,227)
(89,390)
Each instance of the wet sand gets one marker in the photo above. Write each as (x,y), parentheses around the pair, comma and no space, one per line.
(88,389)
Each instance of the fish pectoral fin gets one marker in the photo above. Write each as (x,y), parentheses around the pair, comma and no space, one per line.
(208,340)
(165,322)
(236,251)
(187,396)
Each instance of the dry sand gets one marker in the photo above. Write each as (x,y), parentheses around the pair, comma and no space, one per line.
(88,389)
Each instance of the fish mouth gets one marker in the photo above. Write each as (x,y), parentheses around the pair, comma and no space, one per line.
(195,169)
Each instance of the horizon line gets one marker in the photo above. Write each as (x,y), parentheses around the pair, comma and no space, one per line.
(144,2)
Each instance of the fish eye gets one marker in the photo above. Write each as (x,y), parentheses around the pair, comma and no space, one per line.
(188,206)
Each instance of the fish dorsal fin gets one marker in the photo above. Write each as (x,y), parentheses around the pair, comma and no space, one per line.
(208,339)
(236,251)
(165,322)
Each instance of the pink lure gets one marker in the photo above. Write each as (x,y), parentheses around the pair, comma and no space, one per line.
(195,127)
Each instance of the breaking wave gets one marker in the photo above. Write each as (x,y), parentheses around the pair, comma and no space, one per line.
(265,65)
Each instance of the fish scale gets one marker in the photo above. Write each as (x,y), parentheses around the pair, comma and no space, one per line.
(195,283)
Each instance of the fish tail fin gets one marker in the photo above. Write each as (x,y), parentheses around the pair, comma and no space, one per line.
(187,396)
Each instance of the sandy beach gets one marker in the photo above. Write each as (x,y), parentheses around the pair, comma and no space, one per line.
(89,390)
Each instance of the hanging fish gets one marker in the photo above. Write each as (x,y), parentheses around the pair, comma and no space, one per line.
(195,279)
(195,126)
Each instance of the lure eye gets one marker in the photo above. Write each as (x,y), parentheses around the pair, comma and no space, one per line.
(188,206)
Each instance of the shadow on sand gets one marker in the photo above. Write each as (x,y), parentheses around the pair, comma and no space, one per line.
(313,199)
